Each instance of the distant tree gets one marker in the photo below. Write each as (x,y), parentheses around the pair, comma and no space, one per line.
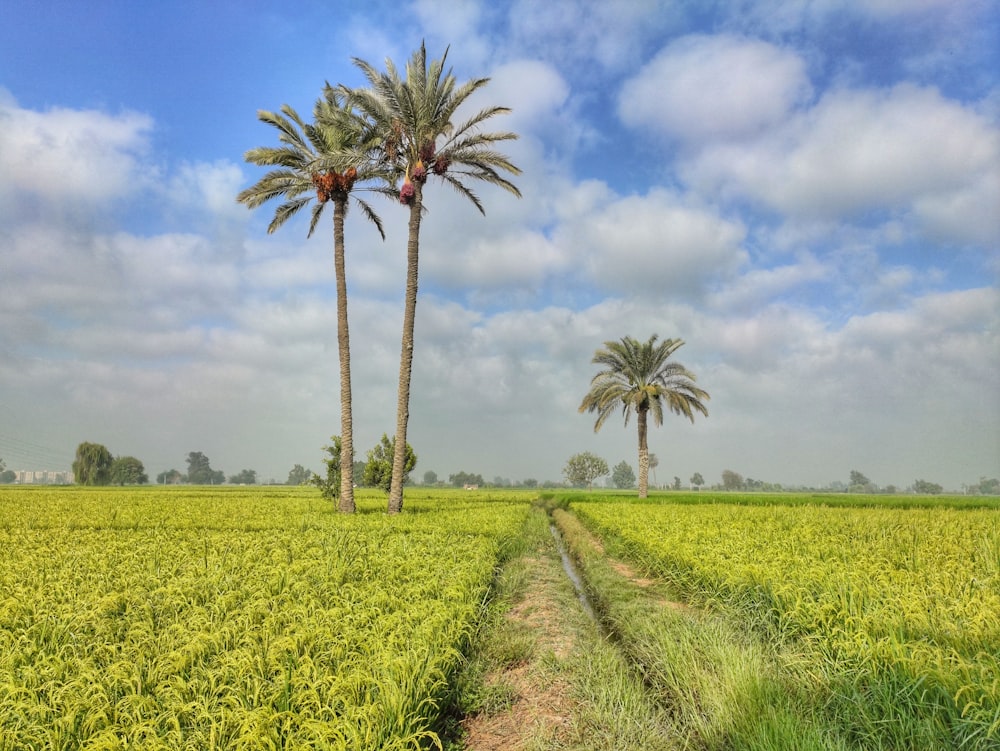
(200,470)
(732,480)
(927,488)
(244,477)
(170,477)
(531,482)
(298,475)
(330,485)
(127,470)
(582,469)
(430,477)
(461,479)
(378,468)
(92,465)
(623,476)
(7,476)
(677,483)
(860,484)
(697,480)
(654,462)
(638,377)
(985,487)
(857,478)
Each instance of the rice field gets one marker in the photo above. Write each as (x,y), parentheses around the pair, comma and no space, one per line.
(245,618)
(259,618)
(892,616)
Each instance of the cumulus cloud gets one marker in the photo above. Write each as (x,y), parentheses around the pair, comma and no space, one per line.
(863,150)
(81,156)
(586,32)
(208,187)
(655,245)
(513,259)
(703,87)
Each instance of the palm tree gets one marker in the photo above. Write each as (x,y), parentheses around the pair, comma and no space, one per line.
(414,118)
(638,377)
(322,160)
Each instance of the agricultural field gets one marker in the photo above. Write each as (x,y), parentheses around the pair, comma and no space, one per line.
(886,619)
(237,618)
(259,618)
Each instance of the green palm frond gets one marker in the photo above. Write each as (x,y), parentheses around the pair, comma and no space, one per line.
(418,109)
(285,212)
(337,140)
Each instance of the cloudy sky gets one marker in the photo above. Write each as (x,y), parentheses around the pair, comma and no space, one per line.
(805,191)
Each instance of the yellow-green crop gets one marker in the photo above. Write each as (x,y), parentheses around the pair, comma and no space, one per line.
(234,619)
(897,611)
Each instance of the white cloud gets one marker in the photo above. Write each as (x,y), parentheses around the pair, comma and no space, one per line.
(859,151)
(969,214)
(758,286)
(585,32)
(702,88)
(655,245)
(211,188)
(510,260)
(72,155)
(532,89)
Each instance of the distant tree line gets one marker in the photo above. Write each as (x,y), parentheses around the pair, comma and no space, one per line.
(94,465)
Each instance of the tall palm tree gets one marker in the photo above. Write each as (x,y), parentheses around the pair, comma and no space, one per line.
(419,140)
(638,377)
(322,160)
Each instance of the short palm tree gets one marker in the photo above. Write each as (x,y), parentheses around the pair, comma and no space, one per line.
(638,377)
(324,161)
(419,140)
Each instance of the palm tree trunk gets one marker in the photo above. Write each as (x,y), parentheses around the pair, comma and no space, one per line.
(406,353)
(346,502)
(643,455)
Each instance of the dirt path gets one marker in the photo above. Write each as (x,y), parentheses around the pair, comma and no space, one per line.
(541,713)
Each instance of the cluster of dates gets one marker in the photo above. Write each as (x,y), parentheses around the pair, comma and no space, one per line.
(330,183)
(426,156)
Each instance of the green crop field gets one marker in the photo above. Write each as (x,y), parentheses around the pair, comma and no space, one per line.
(893,615)
(259,618)
(249,618)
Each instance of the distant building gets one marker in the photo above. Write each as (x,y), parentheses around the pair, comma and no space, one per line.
(43,477)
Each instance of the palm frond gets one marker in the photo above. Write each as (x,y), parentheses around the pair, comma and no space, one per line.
(286,156)
(317,211)
(274,184)
(288,133)
(473,122)
(285,212)
(463,190)
(369,212)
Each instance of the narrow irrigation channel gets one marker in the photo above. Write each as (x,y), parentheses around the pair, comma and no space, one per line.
(574,575)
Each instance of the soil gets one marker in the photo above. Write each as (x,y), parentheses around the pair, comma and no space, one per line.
(542,708)
(541,714)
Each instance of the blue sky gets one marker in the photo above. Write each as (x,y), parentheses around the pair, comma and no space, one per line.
(805,191)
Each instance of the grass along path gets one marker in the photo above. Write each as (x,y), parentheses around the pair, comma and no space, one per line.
(657,675)
(543,678)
